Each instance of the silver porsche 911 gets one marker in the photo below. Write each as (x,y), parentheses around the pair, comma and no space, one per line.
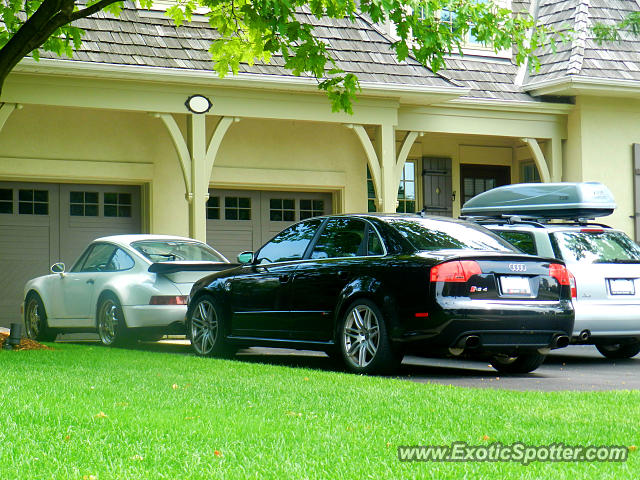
(122,287)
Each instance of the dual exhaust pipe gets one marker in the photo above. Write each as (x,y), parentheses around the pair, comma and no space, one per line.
(473,341)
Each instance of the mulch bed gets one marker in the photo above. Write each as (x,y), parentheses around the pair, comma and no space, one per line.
(25,344)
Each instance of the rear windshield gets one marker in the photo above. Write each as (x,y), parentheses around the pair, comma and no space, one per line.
(426,235)
(177,250)
(603,247)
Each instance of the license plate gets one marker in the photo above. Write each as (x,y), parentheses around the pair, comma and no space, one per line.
(512,285)
(622,286)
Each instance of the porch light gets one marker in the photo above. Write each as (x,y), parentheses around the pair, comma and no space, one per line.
(198,104)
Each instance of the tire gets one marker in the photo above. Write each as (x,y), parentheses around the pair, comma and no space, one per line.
(525,363)
(36,326)
(364,344)
(619,350)
(204,329)
(110,322)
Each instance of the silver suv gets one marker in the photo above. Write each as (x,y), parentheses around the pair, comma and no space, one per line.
(604,262)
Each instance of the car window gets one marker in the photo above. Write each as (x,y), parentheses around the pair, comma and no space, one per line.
(426,234)
(608,246)
(77,267)
(290,244)
(374,244)
(120,261)
(523,241)
(174,250)
(341,237)
(98,258)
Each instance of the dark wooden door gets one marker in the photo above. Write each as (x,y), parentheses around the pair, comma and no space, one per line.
(475,179)
(437,189)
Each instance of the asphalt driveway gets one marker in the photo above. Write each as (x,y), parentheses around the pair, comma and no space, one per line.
(572,368)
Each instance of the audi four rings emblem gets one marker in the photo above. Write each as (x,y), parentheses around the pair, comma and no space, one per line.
(517,267)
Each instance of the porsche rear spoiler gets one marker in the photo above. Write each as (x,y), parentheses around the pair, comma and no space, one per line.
(172,267)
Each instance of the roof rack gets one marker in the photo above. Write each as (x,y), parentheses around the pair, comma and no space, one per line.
(534,221)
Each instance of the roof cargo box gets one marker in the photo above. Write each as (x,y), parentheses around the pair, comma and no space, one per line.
(543,200)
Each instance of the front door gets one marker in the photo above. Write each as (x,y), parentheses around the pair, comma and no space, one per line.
(437,189)
(475,179)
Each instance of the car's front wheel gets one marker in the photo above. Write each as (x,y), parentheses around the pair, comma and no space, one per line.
(204,328)
(35,320)
(619,350)
(524,363)
(364,343)
(112,327)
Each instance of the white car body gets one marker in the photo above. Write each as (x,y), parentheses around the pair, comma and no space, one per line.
(71,299)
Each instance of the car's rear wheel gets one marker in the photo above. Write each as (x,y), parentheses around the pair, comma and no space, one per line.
(204,329)
(35,320)
(364,343)
(112,327)
(525,363)
(619,350)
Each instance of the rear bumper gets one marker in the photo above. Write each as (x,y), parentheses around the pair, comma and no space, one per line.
(607,319)
(139,316)
(501,327)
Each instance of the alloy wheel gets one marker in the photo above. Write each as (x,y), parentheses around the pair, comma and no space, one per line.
(361,336)
(204,327)
(108,321)
(33,319)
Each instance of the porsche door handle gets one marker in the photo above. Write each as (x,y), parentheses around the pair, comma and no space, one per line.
(284,278)
(90,281)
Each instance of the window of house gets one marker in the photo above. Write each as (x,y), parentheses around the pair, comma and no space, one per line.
(407,189)
(6,200)
(117,204)
(213,208)
(83,204)
(33,202)
(371,193)
(282,209)
(237,208)
(530,173)
(311,208)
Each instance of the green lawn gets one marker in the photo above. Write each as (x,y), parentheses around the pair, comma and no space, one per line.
(83,411)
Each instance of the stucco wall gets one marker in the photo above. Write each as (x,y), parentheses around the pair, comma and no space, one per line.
(70,145)
(599,148)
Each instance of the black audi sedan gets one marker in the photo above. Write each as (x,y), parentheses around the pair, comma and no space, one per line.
(369,288)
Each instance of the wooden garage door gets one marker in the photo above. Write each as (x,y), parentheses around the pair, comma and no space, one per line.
(40,224)
(241,220)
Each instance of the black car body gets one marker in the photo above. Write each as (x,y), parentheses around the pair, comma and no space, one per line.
(371,287)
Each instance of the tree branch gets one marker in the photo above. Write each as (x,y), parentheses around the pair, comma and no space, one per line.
(95,8)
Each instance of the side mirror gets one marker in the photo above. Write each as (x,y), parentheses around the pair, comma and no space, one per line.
(245,257)
(57,268)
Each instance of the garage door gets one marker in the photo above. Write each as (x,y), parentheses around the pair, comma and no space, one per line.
(42,223)
(241,220)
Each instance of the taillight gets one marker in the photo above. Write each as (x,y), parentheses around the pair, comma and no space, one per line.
(560,273)
(168,300)
(574,287)
(456,271)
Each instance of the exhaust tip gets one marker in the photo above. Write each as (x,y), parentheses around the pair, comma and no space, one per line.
(561,341)
(584,336)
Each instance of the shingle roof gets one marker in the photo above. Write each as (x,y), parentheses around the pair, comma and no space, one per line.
(148,38)
(583,56)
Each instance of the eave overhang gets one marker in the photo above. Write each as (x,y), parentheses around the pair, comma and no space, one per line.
(578,85)
(410,94)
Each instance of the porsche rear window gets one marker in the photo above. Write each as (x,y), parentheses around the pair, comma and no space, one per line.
(596,247)
(171,251)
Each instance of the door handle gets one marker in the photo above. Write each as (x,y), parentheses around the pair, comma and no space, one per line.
(284,278)
(90,281)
